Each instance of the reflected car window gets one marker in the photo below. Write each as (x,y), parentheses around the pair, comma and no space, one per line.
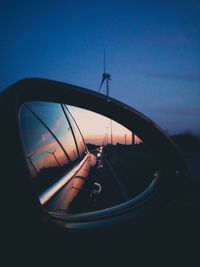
(46,155)
(78,136)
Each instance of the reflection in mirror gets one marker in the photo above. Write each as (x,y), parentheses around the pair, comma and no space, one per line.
(82,161)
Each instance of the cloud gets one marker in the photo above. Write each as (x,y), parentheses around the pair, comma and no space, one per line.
(171,39)
(171,76)
(185,111)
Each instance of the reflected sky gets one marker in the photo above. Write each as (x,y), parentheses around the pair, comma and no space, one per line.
(47,136)
(96,128)
(52,115)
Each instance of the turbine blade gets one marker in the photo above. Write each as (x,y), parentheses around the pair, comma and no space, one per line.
(103,79)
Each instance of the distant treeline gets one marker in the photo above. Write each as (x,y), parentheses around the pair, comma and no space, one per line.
(187,142)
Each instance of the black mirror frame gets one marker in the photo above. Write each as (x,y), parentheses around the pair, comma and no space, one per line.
(35,89)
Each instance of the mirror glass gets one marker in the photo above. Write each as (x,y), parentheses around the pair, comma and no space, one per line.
(81,161)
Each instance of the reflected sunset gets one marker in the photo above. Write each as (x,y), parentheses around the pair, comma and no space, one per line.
(100,130)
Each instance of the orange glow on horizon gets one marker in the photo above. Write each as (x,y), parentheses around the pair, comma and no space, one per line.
(96,128)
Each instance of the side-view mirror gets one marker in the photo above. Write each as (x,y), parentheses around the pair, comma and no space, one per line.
(81,160)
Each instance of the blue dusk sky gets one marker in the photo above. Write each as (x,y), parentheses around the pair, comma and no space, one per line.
(152,51)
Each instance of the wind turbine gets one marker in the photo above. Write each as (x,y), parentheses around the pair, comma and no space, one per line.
(53,154)
(31,162)
(105,76)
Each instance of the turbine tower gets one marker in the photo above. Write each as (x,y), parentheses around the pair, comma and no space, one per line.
(107,128)
(31,162)
(53,154)
(105,76)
